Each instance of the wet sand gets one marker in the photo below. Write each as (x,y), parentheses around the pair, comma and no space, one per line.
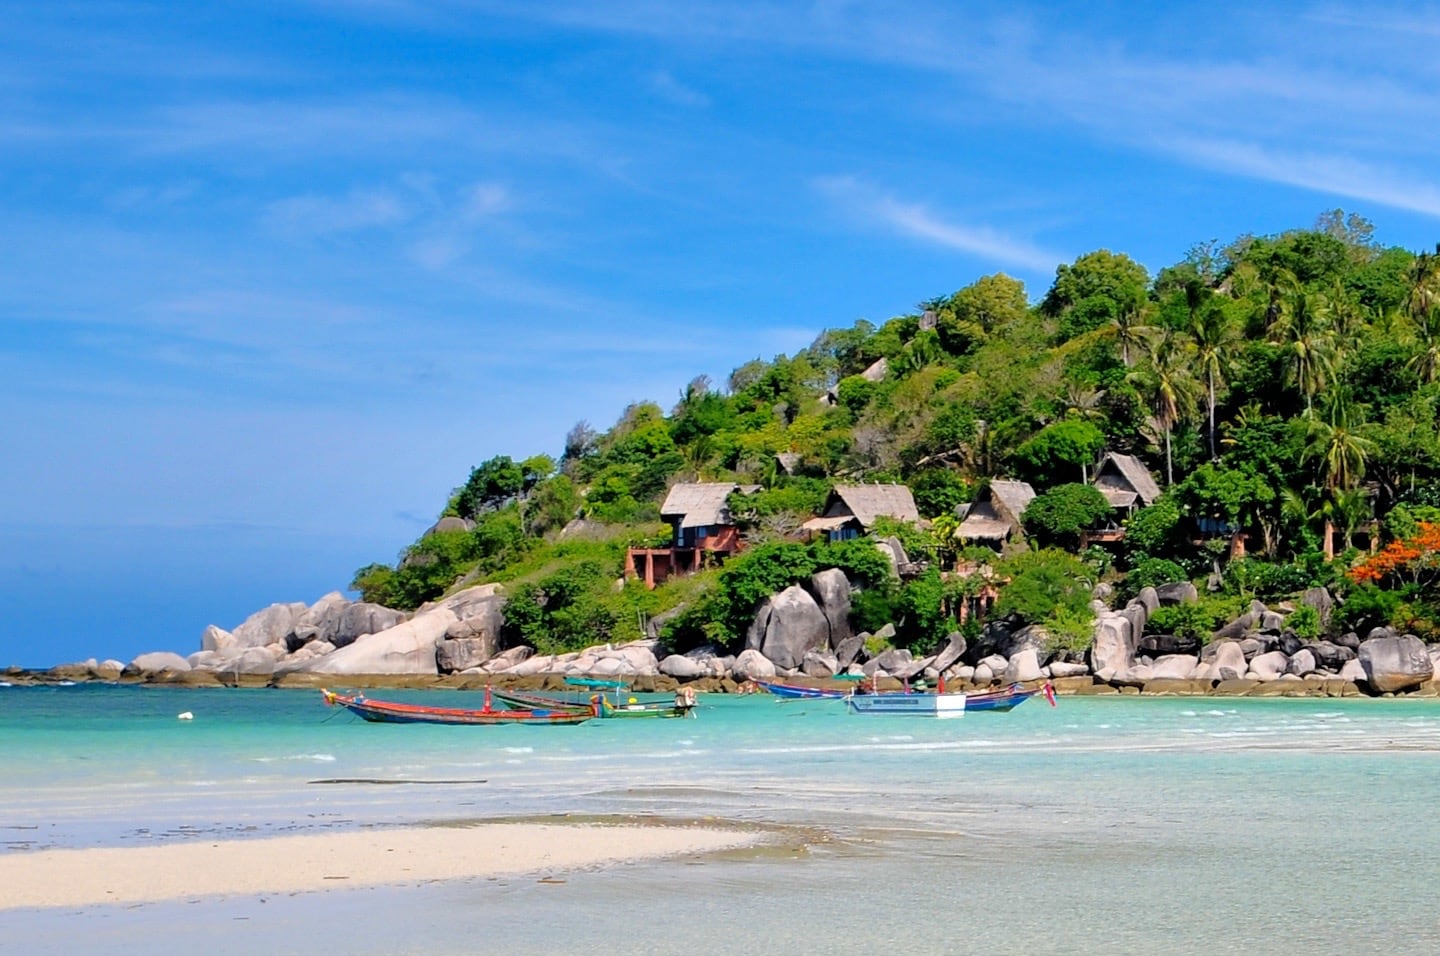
(308,863)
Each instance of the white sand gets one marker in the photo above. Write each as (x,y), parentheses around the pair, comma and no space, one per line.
(293,864)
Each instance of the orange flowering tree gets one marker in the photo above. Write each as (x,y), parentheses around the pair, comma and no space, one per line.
(1414,560)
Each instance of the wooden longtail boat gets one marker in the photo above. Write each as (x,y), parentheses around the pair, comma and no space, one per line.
(678,709)
(601,706)
(389,712)
(1007,699)
(796,692)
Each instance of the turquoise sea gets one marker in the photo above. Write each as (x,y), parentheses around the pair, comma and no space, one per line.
(1105,825)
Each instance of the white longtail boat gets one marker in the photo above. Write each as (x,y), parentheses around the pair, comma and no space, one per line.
(908,704)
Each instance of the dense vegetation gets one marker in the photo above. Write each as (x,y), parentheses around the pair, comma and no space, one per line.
(1283,387)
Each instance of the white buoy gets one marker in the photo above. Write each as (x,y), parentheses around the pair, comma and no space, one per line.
(185,716)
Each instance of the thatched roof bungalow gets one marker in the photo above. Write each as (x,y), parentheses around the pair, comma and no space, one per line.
(851,510)
(994,518)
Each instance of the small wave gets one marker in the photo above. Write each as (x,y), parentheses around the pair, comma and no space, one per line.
(314,758)
(519,750)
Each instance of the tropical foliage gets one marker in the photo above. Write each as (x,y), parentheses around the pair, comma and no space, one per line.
(1284,388)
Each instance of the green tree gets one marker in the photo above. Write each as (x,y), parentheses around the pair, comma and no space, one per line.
(1215,336)
(1060,451)
(1305,336)
(1165,379)
(1041,584)
(489,486)
(1338,443)
(1061,515)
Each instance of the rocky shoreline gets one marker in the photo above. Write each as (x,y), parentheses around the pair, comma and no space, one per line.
(799,635)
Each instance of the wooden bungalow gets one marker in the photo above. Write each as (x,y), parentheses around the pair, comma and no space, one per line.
(1127,484)
(702,530)
(994,518)
(851,510)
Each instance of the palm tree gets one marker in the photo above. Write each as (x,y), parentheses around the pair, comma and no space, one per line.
(1130,327)
(1215,335)
(1302,329)
(1424,280)
(1165,380)
(1426,360)
(1337,441)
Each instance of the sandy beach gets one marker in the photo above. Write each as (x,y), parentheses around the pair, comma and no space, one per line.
(298,864)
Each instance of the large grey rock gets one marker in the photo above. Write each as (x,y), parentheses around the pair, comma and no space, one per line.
(951,652)
(273,625)
(216,639)
(1229,662)
(796,625)
(1113,647)
(819,663)
(314,625)
(458,654)
(1060,669)
(507,659)
(755,634)
(1353,671)
(893,661)
(1174,667)
(1302,663)
(1331,656)
(1149,598)
(1031,637)
(832,592)
(1024,666)
(1237,628)
(358,619)
(1394,664)
(251,661)
(636,657)
(1180,592)
(1272,621)
(1269,666)
(849,650)
(108,669)
(683,668)
(1139,617)
(1161,645)
(481,613)
(752,665)
(406,648)
(157,662)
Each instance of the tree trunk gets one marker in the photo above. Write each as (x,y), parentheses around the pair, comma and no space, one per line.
(1329,540)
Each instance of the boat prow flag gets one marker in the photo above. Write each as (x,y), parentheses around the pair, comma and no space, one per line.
(1050,693)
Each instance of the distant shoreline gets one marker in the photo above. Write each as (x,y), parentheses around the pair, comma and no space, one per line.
(1313,687)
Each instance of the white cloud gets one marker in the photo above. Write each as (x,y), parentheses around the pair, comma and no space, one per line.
(917,221)
(1319,172)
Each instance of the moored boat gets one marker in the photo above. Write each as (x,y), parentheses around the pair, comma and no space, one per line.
(391,712)
(1007,698)
(796,692)
(683,706)
(908,704)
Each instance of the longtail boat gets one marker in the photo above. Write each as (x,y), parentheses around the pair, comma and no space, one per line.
(1008,698)
(684,706)
(907,704)
(390,712)
(796,692)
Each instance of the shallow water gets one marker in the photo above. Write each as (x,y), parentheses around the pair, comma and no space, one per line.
(1176,825)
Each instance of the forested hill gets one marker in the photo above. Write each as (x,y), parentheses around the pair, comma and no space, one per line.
(1282,386)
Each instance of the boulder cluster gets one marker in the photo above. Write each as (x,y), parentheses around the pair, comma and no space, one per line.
(803,632)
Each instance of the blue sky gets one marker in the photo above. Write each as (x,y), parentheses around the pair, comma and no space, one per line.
(273,277)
